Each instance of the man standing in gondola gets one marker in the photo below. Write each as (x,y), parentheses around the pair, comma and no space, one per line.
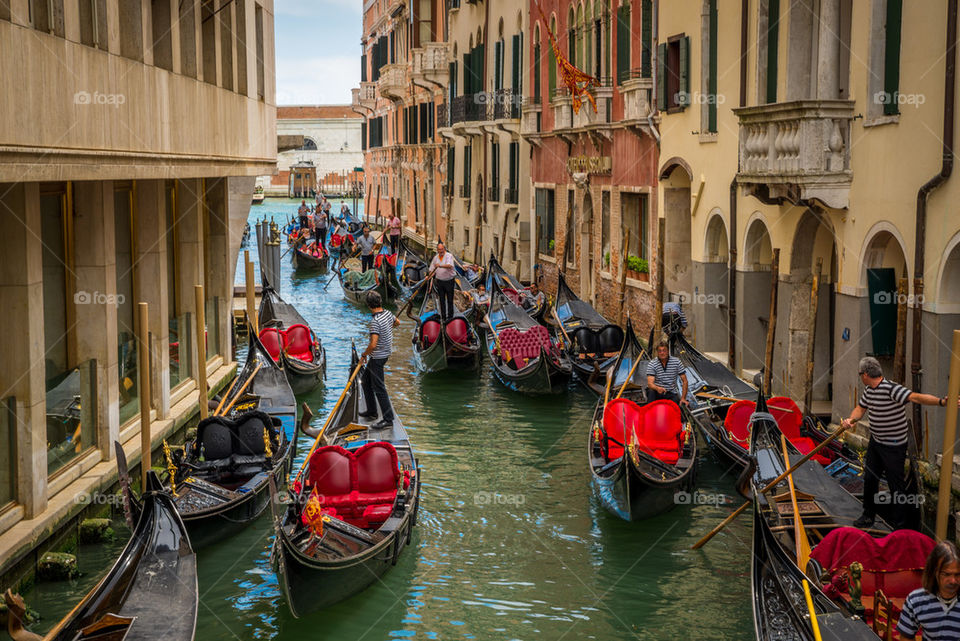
(886,454)
(442,267)
(375,357)
(303,211)
(662,374)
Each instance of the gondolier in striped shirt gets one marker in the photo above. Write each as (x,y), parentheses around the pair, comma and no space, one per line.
(662,375)
(933,609)
(375,357)
(887,447)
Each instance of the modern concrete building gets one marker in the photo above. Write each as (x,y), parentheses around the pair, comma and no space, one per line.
(807,128)
(488,201)
(128,154)
(332,146)
(403,75)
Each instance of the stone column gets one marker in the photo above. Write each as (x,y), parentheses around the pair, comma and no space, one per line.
(219,272)
(96,322)
(828,55)
(22,342)
(151,284)
(190,245)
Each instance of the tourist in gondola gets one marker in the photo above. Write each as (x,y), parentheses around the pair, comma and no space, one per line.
(321,220)
(662,374)
(933,608)
(442,268)
(396,228)
(367,244)
(887,448)
(375,357)
(480,297)
(535,300)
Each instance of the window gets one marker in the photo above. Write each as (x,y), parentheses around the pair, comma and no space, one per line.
(545,220)
(309,144)
(516,68)
(552,63)
(93,23)
(131,29)
(537,88)
(123,226)
(572,37)
(569,251)
(241,31)
(586,29)
(768,28)
(188,39)
(178,324)
(623,43)
(673,92)
(514,165)
(708,66)
(495,173)
(44,20)
(646,38)
(633,208)
(162,44)
(453,87)
(451,166)
(208,41)
(425,16)
(498,48)
(467,158)
(605,228)
(885,51)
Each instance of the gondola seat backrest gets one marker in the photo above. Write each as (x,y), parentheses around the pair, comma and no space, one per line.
(892,564)
(249,440)
(358,487)
(513,295)
(660,432)
(588,340)
(330,475)
(298,342)
(457,331)
(620,417)
(430,331)
(216,439)
(737,422)
(272,340)
(610,339)
(789,419)
(525,345)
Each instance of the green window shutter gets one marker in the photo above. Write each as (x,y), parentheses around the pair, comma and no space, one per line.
(623,43)
(451,166)
(712,78)
(514,162)
(662,77)
(891,57)
(452,71)
(552,72)
(587,47)
(536,72)
(516,62)
(478,57)
(773,30)
(684,72)
(646,35)
(498,65)
(466,74)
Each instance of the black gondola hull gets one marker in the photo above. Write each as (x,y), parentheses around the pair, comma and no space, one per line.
(540,377)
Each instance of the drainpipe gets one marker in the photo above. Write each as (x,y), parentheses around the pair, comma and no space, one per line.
(732,253)
(945,170)
(654,65)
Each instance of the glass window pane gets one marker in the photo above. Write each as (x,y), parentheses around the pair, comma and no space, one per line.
(126,330)
(605,227)
(54,285)
(179,370)
(7,452)
(630,213)
(71,422)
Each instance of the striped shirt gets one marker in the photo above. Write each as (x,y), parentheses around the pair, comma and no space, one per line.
(382,326)
(888,420)
(675,308)
(666,377)
(924,611)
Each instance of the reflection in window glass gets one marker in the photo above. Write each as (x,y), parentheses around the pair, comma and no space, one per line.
(7,451)
(178,327)
(126,330)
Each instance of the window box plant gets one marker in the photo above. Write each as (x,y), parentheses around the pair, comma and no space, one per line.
(638,268)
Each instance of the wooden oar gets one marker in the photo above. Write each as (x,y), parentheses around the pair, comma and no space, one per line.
(557,318)
(413,293)
(333,412)
(225,396)
(840,430)
(629,376)
(799,532)
(242,389)
(813,612)
(606,394)
(732,399)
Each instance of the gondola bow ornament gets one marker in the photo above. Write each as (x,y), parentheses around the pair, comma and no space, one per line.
(313,515)
(578,82)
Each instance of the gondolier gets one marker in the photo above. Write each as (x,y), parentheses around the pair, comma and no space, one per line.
(673,320)
(442,267)
(303,211)
(366,242)
(396,228)
(662,374)
(374,357)
(321,218)
(887,447)
(933,608)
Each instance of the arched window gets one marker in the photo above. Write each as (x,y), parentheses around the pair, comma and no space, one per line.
(579,32)
(309,144)
(537,85)
(587,27)
(572,36)
(552,62)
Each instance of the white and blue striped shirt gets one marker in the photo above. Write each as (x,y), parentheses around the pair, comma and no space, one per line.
(666,376)
(924,611)
(382,326)
(884,404)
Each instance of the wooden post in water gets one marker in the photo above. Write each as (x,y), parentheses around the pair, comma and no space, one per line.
(251,293)
(661,275)
(814,298)
(143,373)
(623,275)
(900,351)
(949,436)
(772,322)
(201,350)
(503,239)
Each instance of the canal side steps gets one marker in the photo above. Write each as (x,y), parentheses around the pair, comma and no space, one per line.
(88,487)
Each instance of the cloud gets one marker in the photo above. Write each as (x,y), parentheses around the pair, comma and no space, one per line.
(321,80)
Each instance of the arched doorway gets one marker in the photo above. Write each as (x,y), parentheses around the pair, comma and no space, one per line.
(814,242)
(754,294)
(675,182)
(884,265)
(711,284)
(586,249)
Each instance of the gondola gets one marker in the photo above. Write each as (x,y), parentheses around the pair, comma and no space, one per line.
(310,257)
(810,505)
(149,593)
(355,284)
(291,342)
(389,266)
(642,455)
(593,342)
(521,351)
(221,478)
(439,345)
(497,275)
(352,512)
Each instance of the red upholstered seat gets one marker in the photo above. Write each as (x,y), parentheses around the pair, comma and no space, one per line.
(457,331)
(299,342)
(737,422)
(512,294)
(430,331)
(660,430)
(789,419)
(525,345)
(272,340)
(619,416)
(359,487)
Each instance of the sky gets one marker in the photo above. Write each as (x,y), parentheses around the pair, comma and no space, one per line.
(318,50)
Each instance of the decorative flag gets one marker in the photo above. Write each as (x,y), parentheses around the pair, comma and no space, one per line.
(312,516)
(577,81)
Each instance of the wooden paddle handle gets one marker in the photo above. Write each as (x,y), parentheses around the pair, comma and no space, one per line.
(768,487)
(225,396)
(629,376)
(316,442)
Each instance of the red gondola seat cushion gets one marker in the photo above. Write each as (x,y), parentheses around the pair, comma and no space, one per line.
(660,433)
(360,486)
(620,417)
(430,331)
(298,342)
(789,419)
(273,341)
(737,422)
(457,331)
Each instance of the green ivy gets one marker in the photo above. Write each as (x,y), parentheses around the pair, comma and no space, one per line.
(606,259)
(637,264)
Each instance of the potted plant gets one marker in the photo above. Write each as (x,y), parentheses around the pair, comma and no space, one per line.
(606,260)
(638,268)
(551,245)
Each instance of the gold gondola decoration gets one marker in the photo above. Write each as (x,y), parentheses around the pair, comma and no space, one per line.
(171,468)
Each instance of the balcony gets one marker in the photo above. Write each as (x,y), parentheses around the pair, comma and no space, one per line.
(429,64)
(511,196)
(506,104)
(468,108)
(587,117)
(797,151)
(368,95)
(530,120)
(636,92)
(393,81)
(493,193)
(562,103)
(465,191)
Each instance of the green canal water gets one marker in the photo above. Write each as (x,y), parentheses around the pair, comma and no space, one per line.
(510,543)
